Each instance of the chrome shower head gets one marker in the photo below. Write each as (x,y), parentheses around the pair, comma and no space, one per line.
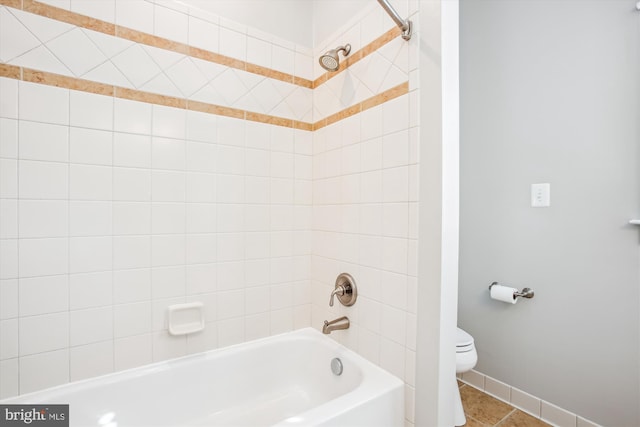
(330,61)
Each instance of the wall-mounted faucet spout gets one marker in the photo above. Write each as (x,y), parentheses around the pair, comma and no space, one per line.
(335,324)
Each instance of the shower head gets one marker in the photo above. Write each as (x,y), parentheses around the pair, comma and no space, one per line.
(330,61)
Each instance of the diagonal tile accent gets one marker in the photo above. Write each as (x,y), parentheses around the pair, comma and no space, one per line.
(136,65)
(164,58)
(208,95)
(162,85)
(44,29)
(41,58)
(76,51)
(266,95)
(109,45)
(15,38)
(109,74)
(229,85)
(186,77)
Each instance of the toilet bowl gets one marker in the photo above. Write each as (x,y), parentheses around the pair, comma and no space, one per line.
(466,359)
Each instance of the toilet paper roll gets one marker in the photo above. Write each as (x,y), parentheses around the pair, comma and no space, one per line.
(504,294)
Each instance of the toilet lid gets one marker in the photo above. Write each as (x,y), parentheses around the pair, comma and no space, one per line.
(463,339)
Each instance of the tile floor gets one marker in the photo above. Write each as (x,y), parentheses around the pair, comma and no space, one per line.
(483,410)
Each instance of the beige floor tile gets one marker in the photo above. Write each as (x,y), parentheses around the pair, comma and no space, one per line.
(521,419)
(482,407)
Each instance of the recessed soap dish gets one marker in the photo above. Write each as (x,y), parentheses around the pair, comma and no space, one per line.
(186,318)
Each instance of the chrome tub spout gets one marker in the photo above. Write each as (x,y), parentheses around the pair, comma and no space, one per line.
(335,324)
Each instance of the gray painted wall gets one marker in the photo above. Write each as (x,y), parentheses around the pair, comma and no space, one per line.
(550,92)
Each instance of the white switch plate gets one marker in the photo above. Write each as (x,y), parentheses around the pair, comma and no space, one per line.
(540,195)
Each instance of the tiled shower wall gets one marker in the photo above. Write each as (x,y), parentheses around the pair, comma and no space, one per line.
(113,209)
(200,178)
(365,199)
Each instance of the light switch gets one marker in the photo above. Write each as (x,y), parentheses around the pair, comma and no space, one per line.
(540,195)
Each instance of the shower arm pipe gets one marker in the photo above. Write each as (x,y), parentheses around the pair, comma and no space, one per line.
(405,25)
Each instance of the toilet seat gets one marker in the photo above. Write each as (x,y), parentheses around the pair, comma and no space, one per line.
(464,342)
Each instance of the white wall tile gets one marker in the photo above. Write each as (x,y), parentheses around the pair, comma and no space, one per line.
(9,98)
(44,333)
(131,252)
(43,218)
(9,373)
(90,218)
(8,299)
(395,183)
(131,218)
(33,377)
(170,24)
(8,258)
(167,250)
(43,295)
(135,14)
(90,146)
(133,351)
(168,218)
(42,103)
(92,111)
(131,150)
(233,44)
(201,278)
(168,282)
(169,122)
(230,331)
(87,254)
(88,182)
(168,153)
(43,180)
(132,116)
(202,248)
(132,319)
(43,257)
(8,138)
(203,34)
(166,346)
(91,325)
(9,339)
(89,290)
(200,187)
(131,285)
(131,184)
(91,360)
(43,141)
(100,9)
(167,186)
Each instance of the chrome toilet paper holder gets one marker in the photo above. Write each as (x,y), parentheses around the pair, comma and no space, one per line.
(524,293)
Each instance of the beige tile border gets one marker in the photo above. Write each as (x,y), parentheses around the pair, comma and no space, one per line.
(381,98)
(73,83)
(73,18)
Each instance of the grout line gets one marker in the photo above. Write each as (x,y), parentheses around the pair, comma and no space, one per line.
(513,411)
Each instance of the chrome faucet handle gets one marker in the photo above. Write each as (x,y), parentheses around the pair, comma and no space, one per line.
(339,290)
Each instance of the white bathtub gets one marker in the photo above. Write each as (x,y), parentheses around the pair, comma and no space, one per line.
(285,380)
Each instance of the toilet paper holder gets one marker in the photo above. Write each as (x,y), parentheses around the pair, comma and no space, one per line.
(525,293)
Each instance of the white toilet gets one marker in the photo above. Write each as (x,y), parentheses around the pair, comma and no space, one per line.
(466,359)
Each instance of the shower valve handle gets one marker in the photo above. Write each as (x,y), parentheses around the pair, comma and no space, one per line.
(339,290)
